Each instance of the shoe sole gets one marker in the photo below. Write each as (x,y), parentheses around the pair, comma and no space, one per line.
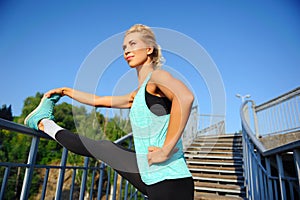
(34,111)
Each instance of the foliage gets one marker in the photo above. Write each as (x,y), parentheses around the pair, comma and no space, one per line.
(5,112)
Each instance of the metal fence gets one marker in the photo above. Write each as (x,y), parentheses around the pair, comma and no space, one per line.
(280,115)
(97,181)
(202,125)
(269,174)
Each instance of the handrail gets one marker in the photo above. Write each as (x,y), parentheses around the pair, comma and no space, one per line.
(279,99)
(250,133)
(258,144)
(279,115)
(269,173)
(9,125)
(12,126)
(124,138)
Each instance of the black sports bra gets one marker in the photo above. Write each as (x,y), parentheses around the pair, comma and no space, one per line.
(158,105)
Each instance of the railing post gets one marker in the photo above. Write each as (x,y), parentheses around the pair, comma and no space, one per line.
(250,181)
(115,186)
(101,180)
(280,177)
(73,183)
(61,176)
(92,184)
(245,159)
(254,178)
(269,174)
(4,182)
(261,189)
(45,183)
(84,178)
(255,120)
(297,163)
(246,113)
(29,170)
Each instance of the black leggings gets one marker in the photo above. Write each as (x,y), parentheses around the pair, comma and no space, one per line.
(173,189)
(124,162)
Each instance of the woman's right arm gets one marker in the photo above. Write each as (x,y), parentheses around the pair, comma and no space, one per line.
(124,101)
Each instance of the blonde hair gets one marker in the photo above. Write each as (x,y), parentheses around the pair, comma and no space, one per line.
(149,38)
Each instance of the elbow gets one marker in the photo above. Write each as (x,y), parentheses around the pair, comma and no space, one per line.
(189,99)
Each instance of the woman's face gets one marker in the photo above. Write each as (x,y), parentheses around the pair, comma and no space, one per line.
(136,51)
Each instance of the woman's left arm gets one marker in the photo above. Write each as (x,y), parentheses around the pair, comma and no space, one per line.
(182,100)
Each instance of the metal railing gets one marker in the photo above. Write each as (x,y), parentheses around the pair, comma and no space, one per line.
(202,125)
(273,173)
(106,181)
(280,115)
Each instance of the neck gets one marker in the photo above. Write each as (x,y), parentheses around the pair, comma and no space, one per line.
(143,71)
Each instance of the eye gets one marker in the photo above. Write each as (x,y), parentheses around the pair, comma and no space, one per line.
(132,43)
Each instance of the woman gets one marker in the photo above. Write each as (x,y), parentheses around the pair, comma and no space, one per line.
(159,110)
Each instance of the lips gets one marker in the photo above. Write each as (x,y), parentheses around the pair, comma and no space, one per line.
(129,58)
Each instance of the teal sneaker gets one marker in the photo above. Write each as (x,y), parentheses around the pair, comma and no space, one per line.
(44,110)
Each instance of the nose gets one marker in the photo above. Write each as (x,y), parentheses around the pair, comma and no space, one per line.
(125,54)
(126,50)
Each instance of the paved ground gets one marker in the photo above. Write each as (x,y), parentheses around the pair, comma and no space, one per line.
(280,139)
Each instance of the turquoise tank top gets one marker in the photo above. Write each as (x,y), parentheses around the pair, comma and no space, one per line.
(150,130)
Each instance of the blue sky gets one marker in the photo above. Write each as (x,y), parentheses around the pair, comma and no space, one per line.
(255,45)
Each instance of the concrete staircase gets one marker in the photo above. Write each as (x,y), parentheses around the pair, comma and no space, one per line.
(217,166)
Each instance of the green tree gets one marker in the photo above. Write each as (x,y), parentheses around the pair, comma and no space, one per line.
(6,113)
(31,103)
(63,116)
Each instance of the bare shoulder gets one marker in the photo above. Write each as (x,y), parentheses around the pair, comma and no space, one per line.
(160,75)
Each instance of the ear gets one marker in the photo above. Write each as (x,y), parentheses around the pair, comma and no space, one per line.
(149,50)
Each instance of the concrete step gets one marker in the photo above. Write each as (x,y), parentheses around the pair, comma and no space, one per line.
(231,140)
(215,169)
(223,188)
(229,148)
(211,196)
(215,156)
(215,148)
(221,136)
(215,162)
(219,178)
(215,144)
(214,151)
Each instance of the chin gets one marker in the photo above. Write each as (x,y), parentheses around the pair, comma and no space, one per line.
(132,65)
